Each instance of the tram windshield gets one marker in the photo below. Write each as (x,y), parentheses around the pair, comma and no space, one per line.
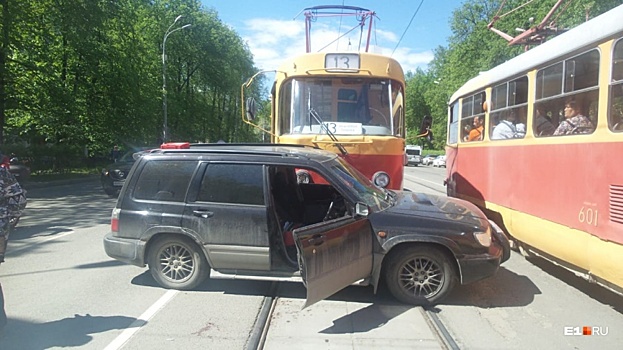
(348,106)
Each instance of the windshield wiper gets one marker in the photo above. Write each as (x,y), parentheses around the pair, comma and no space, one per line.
(390,196)
(316,117)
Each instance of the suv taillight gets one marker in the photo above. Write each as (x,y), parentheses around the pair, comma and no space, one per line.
(114,220)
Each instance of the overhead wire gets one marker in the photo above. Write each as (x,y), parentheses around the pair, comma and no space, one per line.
(341,36)
(339,29)
(405,32)
(513,10)
(561,11)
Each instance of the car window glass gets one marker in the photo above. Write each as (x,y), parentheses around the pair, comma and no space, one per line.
(233,183)
(164,180)
(128,157)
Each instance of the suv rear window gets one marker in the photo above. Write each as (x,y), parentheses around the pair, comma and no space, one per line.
(233,183)
(164,180)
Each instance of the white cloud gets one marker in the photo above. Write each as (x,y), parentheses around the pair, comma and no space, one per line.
(385,35)
(410,59)
(271,31)
(273,41)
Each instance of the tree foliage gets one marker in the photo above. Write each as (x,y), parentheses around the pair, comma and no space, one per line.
(88,74)
(83,75)
(473,48)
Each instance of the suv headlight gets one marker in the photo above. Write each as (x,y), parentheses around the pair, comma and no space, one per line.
(484,238)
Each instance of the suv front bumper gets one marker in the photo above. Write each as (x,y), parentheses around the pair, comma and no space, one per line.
(478,267)
(128,250)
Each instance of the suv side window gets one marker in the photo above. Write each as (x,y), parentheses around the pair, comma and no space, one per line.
(233,183)
(164,180)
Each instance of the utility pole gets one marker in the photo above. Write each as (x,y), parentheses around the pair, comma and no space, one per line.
(165,127)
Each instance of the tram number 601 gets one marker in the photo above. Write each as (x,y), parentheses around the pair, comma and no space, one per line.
(588,215)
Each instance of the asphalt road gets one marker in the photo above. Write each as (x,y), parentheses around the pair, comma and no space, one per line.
(62,291)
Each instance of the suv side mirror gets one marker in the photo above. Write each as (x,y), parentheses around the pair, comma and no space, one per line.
(361,209)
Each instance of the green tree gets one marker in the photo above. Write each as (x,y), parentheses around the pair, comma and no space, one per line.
(86,74)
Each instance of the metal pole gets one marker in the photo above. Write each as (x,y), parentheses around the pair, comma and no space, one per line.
(164,76)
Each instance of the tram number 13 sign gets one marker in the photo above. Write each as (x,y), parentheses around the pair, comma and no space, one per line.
(341,61)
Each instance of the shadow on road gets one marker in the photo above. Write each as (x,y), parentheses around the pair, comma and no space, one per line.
(55,209)
(505,289)
(68,332)
(364,320)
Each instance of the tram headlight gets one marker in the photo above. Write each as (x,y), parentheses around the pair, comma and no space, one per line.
(303,177)
(484,238)
(381,179)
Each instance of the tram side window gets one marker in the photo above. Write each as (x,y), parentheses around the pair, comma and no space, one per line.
(549,81)
(453,133)
(545,119)
(509,110)
(285,109)
(615,111)
(397,116)
(472,117)
(567,96)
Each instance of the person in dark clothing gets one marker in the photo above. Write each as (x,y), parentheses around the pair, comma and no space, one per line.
(12,203)
(115,154)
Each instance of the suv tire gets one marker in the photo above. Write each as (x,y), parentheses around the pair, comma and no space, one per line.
(175,262)
(420,275)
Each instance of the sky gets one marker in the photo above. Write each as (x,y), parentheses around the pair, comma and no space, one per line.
(275,29)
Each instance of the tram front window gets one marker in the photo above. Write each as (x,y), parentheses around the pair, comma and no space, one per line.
(346,105)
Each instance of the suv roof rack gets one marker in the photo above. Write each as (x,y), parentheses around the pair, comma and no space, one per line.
(187,145)
(252,144)
(226,148)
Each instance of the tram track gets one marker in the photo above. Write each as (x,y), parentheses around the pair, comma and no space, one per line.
(437,326)
(262,324)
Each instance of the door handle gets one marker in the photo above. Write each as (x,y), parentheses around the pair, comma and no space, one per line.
(316,240)
(203,213)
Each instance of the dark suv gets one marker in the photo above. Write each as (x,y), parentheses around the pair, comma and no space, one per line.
(238,211)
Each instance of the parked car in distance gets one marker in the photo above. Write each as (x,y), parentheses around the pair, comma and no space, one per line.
(428,159)
(113,175)
(440,161)
(414,155)
(17,167)
(237,211)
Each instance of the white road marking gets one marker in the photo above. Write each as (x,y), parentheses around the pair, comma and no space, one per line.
(141,321)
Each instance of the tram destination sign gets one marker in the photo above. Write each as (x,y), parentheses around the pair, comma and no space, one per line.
(342,128)
(341,61)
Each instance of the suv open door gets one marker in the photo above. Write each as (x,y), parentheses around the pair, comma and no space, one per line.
(333,255)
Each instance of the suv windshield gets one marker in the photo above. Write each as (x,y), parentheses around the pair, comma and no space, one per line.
(376,198)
